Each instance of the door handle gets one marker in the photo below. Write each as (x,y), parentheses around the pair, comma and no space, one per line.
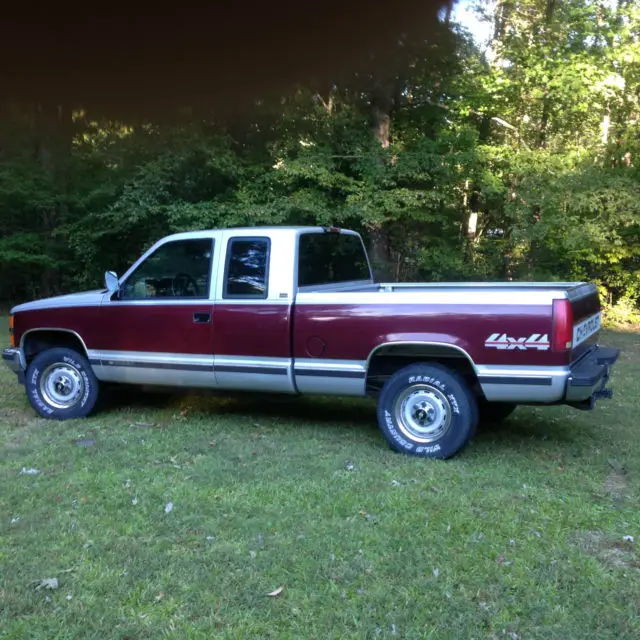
(201,318)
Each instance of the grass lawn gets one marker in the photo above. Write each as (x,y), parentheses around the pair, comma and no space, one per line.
(521,536)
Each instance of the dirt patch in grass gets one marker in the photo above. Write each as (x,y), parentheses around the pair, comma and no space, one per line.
(12,416)
(617,484)
(18,426)
(615,554)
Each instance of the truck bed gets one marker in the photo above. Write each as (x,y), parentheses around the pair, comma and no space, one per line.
(495,323)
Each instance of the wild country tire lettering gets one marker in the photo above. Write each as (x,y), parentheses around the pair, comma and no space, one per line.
(433,448)
(396,436)
(87,388)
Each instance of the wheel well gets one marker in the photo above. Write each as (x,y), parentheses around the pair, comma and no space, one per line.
(386,360)
(36,342)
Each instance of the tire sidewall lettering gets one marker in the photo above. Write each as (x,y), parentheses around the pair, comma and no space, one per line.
(432,448)
(87,387)
(72,362)
(39,402)
(405,444)
(434,382)
(35,394)
(455,407)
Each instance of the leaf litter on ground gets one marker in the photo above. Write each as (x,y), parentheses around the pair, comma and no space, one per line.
(29,472)
(48,583)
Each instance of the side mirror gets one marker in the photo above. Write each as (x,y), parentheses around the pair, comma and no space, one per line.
(111,281)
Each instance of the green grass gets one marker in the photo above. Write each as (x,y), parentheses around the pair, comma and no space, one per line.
(521,535)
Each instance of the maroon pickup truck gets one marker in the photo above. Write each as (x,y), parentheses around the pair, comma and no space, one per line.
(296,310)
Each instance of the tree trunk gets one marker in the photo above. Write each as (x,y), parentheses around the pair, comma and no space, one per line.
(471,199)
(606,121)
(381,113)
(546,101)
(544,122)
(379,244)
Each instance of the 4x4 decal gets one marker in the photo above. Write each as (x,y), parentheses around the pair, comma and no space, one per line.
(504,342)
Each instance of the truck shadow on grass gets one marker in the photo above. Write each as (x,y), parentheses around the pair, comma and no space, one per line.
(250,406)
(526,427)
(536,431)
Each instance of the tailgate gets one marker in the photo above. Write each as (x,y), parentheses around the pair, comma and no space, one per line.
(577,320)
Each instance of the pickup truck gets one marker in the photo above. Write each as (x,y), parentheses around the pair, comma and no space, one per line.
(296,310)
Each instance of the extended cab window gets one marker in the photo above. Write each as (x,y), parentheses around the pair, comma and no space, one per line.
(328,258)
(246,271)
(179,269)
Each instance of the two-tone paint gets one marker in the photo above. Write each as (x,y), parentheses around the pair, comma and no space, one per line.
(319,340)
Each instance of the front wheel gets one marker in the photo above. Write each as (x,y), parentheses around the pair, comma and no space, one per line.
(427,410)
(61,385)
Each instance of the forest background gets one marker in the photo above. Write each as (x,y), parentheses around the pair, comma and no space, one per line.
(513,156)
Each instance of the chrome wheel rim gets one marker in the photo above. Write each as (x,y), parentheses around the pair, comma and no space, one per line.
(61,385)
(423,413)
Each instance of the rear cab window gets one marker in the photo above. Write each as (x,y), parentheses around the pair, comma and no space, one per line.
(246,273)
(331,258)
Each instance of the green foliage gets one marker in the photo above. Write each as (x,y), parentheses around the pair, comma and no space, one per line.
(622,314)
(536,140)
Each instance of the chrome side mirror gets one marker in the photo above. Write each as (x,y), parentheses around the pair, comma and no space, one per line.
(111,281)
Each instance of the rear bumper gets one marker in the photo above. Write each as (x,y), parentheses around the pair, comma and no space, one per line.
(587,381)
(14,359)
(579,385)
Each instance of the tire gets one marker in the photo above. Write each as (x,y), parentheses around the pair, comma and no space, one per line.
(495,412)
(427,410)
(61,385)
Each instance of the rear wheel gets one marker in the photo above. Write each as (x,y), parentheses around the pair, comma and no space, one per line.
(427,410)
(60,384)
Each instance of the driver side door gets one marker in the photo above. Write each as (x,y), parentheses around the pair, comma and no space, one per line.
(157,328)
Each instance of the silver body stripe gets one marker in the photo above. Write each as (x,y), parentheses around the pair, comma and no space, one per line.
(317,365)
(330,377)
(519,370)
(523,384)
(306,375)
(125,358)
(254,374)
(164,369)
(248,362)
(312,376)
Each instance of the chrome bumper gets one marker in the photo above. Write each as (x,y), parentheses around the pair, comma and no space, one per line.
(588,379)
(14,359)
